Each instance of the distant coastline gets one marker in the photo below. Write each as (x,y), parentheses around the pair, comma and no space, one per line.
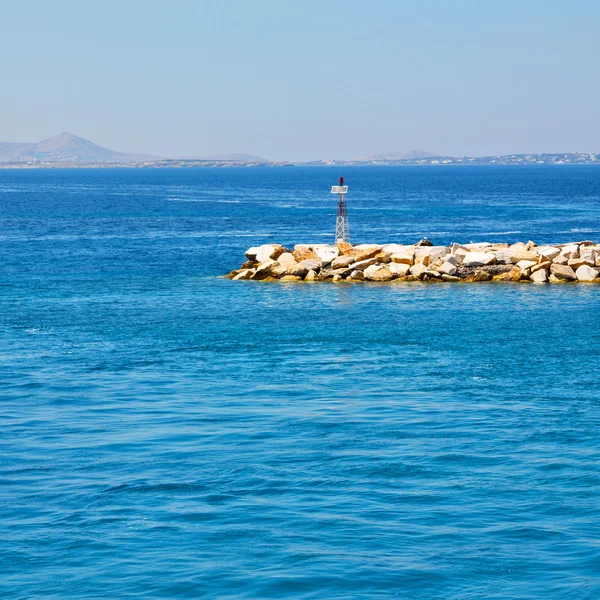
(68,151)
(574,158)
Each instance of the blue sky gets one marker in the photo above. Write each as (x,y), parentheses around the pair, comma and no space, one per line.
(303,79)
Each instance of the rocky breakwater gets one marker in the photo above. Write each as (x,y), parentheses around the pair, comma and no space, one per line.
(520,262)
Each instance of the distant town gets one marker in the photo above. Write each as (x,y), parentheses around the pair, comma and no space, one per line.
(70,151)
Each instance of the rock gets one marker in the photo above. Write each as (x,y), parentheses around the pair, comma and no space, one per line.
(377,273)
(345,248)
(423,259)
(357,275)
(542,265)
(367,253)
(326,253)
(434,252)
(450,258)
(291,278)
(561,259)
(478,259)
(403,258)
(586,273)
(526,264)
(310,276)
(447,268)
(288,261)
(425,242)
(245,274)
(450,278)
(363,264)
(418,270)
(264,269)
(503,256)
(310,265)
(383,257)
(539,276)
(252,252)
(568,249)
(301,253)
(268,251)
(479,276)
(548,252)
(396,248)
(563,272)
(398,269)
(517,257)
(337,277)
(342,261)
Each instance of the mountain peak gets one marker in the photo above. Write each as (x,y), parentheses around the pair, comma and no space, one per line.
(63,141)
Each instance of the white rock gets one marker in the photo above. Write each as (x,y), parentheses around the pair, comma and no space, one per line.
(403,258)
(310,264)
(398,269)
(288,261)
(478,259)
(265,252)
(251,252)
(526,264)
(447,268)
(477,245)
(586,273)
(395,248)
(245,274)
(418,270)
(310,276)
(549,252)
(540,276)
(326,253)
(378,273)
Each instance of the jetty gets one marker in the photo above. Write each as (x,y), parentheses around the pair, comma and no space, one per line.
(423,262)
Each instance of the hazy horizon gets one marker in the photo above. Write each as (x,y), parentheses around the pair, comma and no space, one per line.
(303,81)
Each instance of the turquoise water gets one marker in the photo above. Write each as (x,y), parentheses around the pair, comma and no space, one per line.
(166,433)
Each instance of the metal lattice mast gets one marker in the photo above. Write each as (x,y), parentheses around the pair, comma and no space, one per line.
(342,228)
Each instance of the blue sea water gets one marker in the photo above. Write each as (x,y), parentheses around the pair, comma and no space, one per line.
(166,433)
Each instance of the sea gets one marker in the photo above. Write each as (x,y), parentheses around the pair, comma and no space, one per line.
(168,433)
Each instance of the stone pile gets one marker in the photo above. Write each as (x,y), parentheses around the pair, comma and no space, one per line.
(561,263)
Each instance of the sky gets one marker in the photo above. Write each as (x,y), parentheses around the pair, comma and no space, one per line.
(303,79)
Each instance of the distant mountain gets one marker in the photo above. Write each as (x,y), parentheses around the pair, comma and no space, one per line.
(65,147)
(234,157)
(392,156)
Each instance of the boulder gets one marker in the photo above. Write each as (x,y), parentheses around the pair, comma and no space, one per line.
(423,259)
(301,253)
(561,259)
(291,278)
(539,276)
(245,274)
(310,276)
(326,253)
(548,252)
(563,272)
(396,248)
(367,253)
(310,265)
(377,273)
(357,275)
(287,260)
(268,251)
(363,264)
(398,269)
(526,264)
(450,278)
(518,256)
(586,273)
(263,270)
(403,258)
(479,276)
(418,270)
(384,257)
(478,259)
(345,248)
(342,261)
(252,252)
(447,268)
